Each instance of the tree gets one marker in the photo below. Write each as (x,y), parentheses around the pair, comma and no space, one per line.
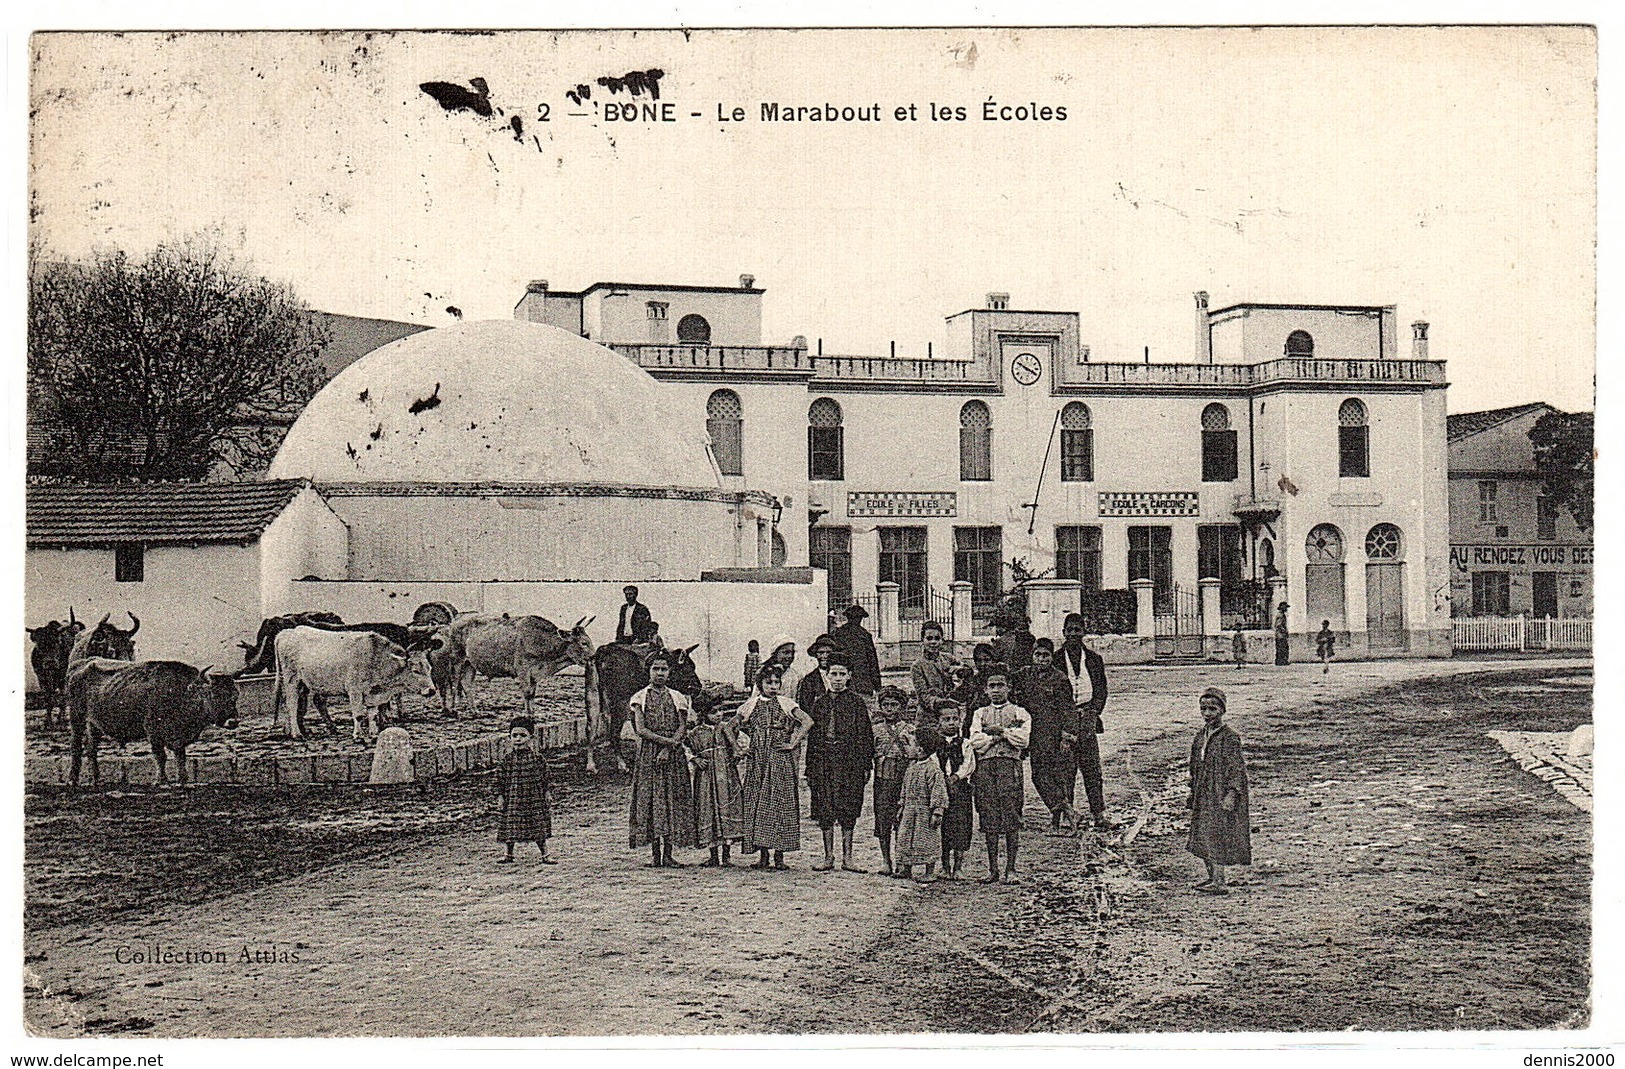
(1564,458)
(160,368)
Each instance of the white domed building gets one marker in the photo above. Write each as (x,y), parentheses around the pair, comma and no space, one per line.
(515,467)
(515,452)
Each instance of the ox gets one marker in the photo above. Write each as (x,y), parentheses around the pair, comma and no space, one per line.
(617,672)
(363,665)
(525,648)
(105,640)
(53,643)
(165,702)
(261,656)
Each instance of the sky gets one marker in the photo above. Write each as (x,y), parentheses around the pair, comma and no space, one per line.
(1450,172)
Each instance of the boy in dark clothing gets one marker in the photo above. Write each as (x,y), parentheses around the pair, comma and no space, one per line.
(840,755)
(1044,691)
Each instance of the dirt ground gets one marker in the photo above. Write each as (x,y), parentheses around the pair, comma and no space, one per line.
(1408,876)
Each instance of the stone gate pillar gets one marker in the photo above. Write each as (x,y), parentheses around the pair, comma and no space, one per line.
(1145,622)
(963,631)
(887,626)
(1212,620)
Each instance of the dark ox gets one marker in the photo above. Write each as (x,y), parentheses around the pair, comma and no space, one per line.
(261,656)
(105,640)
(617,672)
(53,643)
(367,668)
(525,648)
(165,702)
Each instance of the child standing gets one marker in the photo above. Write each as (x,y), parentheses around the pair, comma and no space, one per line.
(890,762)
(771,817)
(958,763)
(1238,647)
(1325,646)
(662,813)
(922,806)
(522,793)
(999,733)
(713,746)
(753,663)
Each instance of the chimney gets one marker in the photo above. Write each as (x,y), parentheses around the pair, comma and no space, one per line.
(1419,340)
(1204,330)
(747,282)
(536,285)
(998,302)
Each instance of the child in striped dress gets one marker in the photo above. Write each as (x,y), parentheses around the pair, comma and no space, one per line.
(713,748)
(923,802)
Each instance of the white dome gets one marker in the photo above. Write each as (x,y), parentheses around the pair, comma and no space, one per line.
(499,401)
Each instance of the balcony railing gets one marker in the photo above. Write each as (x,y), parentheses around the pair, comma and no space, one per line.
(901,369)
(717,357)
(1288,369)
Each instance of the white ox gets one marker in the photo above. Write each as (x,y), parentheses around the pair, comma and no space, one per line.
(363,665)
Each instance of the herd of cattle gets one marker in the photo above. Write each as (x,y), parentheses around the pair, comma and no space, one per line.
(91,674)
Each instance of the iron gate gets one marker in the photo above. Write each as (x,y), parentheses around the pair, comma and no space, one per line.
(1178,616)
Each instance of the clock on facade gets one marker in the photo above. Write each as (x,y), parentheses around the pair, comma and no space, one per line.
(1026,368)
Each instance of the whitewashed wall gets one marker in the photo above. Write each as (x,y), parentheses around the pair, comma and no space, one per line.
(195,602)
(722,617)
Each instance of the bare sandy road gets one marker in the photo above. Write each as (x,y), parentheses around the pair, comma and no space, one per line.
(437,939)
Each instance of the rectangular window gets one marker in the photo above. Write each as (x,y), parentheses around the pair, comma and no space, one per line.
(1353,452)
(1078,456)
(1151,556)
(1486,502)
(830,548)
(824,454)
(1077,555)
(1218,456)
(129,562)
(1218,554)
(1545,519)
(902,561)
(1492,594)
(728,443)
(978,560)
(1543,594)
(975,454)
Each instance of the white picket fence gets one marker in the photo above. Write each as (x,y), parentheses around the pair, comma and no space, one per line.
(1520,633)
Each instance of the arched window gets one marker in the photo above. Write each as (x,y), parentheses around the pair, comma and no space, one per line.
(1299,343)
(1382,542)
(975,442)
(1353,440)
(825,446)
(1324,545)
(693,330)
(1218,445)
(724,422)
(781,552)
(1077,444)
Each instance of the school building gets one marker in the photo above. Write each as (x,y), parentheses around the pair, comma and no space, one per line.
(1299,455)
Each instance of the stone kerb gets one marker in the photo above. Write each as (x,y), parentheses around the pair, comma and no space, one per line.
(469,755)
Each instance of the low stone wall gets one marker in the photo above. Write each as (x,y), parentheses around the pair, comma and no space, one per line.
(473,755)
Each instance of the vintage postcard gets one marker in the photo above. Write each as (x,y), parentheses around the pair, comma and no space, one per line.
(971,532)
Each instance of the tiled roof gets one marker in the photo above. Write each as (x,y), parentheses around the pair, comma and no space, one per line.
(1466,424)
(155,513)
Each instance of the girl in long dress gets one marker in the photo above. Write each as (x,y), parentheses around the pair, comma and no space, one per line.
(923,802)
(662,813)
(771,817)
(713,747)
(1220,823)
(526,816)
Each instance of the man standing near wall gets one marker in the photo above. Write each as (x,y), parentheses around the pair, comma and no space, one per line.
(1086,672)
(1283,638)
(856,646)
(635,623)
